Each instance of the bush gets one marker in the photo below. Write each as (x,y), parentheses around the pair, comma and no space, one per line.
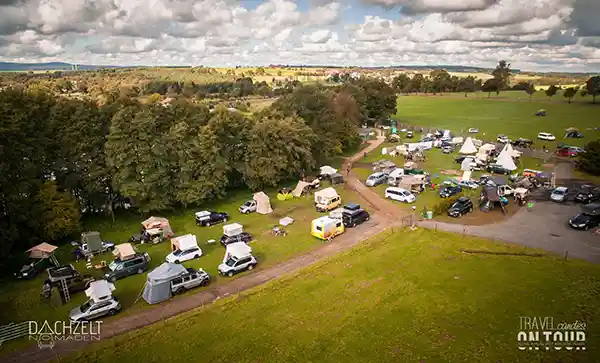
(590,160)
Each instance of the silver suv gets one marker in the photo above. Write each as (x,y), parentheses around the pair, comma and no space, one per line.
(193,278)
(233,265)
(94,309)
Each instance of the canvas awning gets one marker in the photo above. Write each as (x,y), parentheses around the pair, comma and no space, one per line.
(297,192)
(124,251)
(43,250)
(99,290)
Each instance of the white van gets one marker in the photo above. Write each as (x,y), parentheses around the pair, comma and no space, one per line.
(399,194)
(546,136)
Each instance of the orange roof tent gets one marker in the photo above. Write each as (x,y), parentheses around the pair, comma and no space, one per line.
(43,251)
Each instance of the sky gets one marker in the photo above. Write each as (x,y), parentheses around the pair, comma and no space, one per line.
(535,35)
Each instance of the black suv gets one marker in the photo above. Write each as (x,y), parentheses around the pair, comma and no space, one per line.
(461,206)
(588,194)
(355,217)
(207,219)
(497,169)
(242,237)
(450,190)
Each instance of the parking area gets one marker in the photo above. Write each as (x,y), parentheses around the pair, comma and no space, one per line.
(545,228)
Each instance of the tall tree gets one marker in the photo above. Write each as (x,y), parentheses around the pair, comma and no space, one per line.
(489,86)
(593,87)
(570,92)
(502,74)
(551,91)
(59,212)
(441,80)
(400,82)
(466,85)
(416,83)
(530,90)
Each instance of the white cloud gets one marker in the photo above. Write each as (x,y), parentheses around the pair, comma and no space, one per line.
(533,34)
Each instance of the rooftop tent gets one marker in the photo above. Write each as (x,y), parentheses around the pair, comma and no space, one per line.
(468,147)
(233,229)
(327,170)
(506,161)
(124,251)
(93,240)
(158,284)
(325,194)
(158,223)
(464,166)
(41,251)
(263,204)
(238,250)
(99,290)
(184,242)
(300,188)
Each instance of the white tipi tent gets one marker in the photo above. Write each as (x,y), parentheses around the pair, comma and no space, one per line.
(468,147)
(506,160)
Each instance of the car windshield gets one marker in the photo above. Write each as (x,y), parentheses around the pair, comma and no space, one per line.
(248,203)
(177,253)
(560,192)
(112,266)
(230,262)
(86,306)
(374,176)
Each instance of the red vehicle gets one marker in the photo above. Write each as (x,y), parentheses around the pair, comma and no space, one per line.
(567,151)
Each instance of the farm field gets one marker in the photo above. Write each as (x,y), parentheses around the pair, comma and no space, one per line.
(21,301)
(401,297)
(539,96)
(493,117)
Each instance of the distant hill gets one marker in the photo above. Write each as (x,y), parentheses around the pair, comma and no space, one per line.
(52,66)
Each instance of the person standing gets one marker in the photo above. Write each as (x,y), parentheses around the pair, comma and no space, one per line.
(530,205)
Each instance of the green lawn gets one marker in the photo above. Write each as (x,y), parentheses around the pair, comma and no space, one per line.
(20,300)
(401,297)
(492,117)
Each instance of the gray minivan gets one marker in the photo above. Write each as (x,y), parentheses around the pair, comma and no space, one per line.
(123,268)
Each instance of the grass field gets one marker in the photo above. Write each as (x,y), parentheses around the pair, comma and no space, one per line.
(493,117)
(401,297)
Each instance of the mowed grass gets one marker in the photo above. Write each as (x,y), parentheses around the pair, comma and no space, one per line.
(493,117)
(401,297)
(21,301)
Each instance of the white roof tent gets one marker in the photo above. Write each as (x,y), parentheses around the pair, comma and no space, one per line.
(100,290)
(237,250)
(325,194)
(327,170)
(233,229)
(124,251)
(184,242)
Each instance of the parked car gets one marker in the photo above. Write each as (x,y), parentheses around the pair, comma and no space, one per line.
(497,169)
(427,139)
(468,184)
(399,194)
(473,130)
(447,149)
(449,191)
(248,207)
(584,221)
(559,194)
(354,218)
(206,218)
(95,309)
(578,150)
(462,206)
(566,152)
(409,135)
(32,269)
(55,274)
(193,278)
(179,256)
(521,142)
(105,246)
(242,237)
(234,265)
(588,194)
(376,179)
(546,136)
(460,159)
(123,268)
(502,139)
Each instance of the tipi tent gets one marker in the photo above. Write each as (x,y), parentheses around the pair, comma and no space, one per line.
(468,147)
(184,242)
(158,284)
(263,204)
(506,160)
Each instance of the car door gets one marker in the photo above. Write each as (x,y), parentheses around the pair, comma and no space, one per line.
(242,264)
(98,309)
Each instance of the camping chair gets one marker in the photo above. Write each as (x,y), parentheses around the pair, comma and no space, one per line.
(278,231)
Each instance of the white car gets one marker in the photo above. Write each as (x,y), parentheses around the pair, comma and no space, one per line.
(559,194)
(179,256)
(503,139)
(546,136)
(376,179)
(473,130)
(400,195)
(468,184)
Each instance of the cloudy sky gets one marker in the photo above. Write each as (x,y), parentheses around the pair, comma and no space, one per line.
(531,34)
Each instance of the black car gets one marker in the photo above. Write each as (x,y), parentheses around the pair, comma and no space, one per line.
(354,218)
(497,169)
(460,159)
(242,237)
(461,206)
(584,221)
(450,190)
(206,218)
(520,142)
(587,194)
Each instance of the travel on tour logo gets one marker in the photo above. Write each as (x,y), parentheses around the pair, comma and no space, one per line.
(541,333)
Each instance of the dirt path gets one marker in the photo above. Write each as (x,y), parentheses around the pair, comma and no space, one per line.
(378,223)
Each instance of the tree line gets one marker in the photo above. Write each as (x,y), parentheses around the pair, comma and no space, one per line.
(64,158)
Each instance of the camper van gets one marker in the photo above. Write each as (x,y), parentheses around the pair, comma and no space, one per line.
(327,200)
(326,228)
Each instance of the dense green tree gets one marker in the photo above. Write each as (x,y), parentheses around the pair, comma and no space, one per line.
(380,98)
(441,81)
(593,87)
(590,160)
(400,83)
(59,212)
(489,86)
(502,75)
(416,83)
(530,89)
(466,85)
(570,92)
(551,91)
